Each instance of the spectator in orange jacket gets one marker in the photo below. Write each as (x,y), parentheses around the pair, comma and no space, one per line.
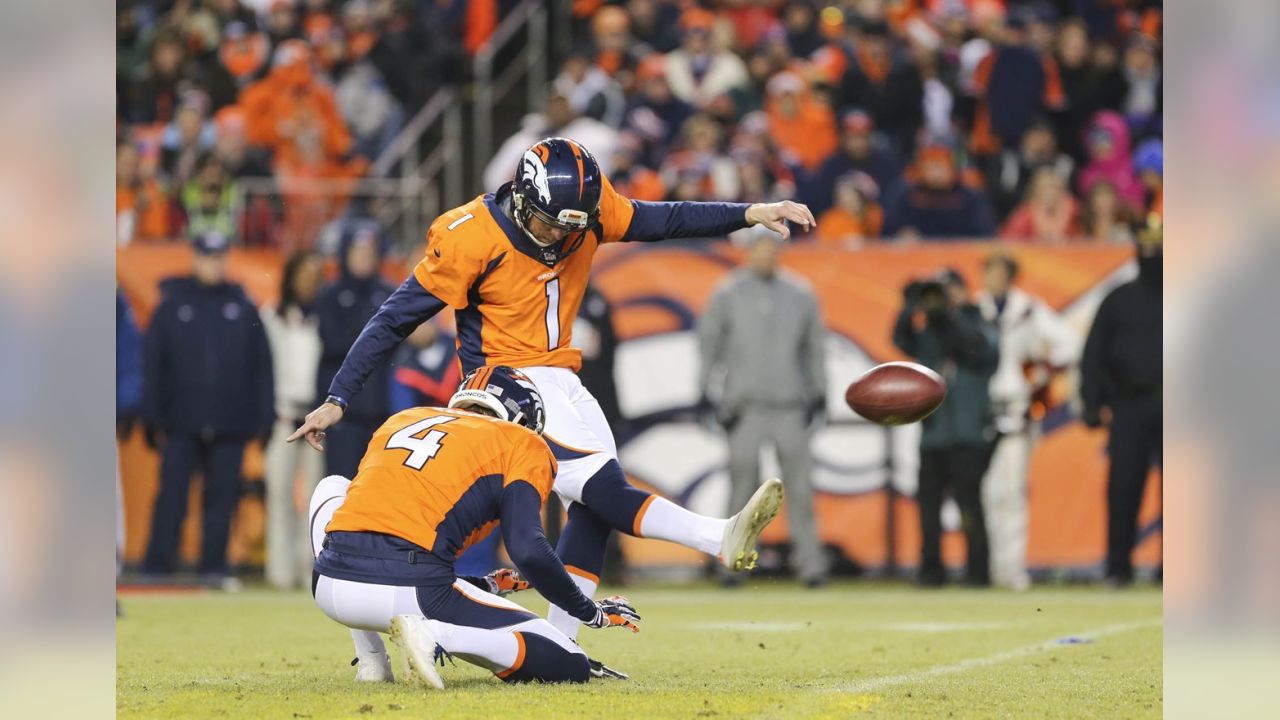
(856,215)
(143,208)
(629,177)
(797,122)
(1049,212)
(294,114)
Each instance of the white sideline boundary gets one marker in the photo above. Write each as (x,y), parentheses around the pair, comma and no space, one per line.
(912,678)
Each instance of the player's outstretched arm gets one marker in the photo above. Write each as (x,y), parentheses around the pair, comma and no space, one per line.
(532,554)
(407,308)
(652,221)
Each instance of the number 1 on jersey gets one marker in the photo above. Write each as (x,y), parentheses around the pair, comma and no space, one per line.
(553,313)
(421,449)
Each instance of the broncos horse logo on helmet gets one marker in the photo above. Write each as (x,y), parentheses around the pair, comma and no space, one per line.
(506,392)
(558,182)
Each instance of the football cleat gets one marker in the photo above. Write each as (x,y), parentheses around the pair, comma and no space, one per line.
(602,671)
(373,667)
(419,649)
(738,548)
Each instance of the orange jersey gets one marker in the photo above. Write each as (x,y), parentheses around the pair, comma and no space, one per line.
(435,477)
(515,305)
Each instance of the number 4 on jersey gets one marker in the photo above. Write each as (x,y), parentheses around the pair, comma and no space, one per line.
(421,449)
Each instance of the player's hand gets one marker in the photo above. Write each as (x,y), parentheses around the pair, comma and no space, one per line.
(816,412)
(124,426)
(706,413)
(504,581)
(776,215)
(1097,417)
(315,424)
(615,611)
(154,436)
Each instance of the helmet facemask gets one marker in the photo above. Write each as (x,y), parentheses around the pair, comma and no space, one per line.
(575,223)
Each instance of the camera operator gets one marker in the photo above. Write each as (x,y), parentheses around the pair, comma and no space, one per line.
(942,329)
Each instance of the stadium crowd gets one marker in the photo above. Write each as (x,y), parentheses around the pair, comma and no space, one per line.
(1036,120)
(210,92)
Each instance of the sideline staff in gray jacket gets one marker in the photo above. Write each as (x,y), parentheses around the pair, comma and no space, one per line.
(761,345)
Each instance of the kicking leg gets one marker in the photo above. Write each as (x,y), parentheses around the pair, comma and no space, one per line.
(607,493)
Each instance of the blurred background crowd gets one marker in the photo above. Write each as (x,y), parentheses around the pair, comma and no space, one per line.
(1034,122)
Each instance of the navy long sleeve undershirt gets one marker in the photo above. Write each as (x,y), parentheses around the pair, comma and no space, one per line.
(407,308)
(522,533)
(655,221)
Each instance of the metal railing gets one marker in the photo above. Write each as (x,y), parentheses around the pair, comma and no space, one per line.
(406,190)
(531,62)
(293,213)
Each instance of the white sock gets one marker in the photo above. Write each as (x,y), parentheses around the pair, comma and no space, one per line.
(563,621)
(368,642)
(494,650)
(666,520)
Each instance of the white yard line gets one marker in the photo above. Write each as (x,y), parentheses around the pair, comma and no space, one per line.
(911,678)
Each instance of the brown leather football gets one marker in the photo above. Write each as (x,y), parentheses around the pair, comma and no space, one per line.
(896,393)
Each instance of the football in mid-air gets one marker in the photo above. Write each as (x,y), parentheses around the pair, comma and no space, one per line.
(896,393)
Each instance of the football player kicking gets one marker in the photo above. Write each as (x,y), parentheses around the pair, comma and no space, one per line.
(514,265)
(433,482)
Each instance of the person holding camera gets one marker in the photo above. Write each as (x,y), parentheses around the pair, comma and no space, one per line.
(942,329)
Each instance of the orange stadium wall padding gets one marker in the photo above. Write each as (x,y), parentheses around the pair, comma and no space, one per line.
(658,292)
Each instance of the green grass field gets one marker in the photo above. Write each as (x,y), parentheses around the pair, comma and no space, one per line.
(763,651)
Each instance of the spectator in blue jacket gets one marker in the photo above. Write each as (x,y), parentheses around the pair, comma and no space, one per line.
(128,400)
(937,205)
(207,390)
(859,152)
(128,368)
(343,308)
(425,370)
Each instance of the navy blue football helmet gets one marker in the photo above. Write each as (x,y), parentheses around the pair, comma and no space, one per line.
(558,182)
(506,392)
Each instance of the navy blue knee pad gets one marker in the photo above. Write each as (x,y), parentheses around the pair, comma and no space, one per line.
(614,500)
(545,661)
(582,542)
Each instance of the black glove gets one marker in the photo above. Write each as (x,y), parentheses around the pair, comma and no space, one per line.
(154,436)
(124,425)
(1091,417)
(705,411)
(816,412)
(911,293)
(939,318)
